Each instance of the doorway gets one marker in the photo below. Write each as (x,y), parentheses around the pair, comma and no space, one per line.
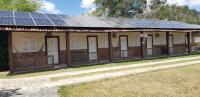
(149,45)
(52,48)
(124,46)
(92,48)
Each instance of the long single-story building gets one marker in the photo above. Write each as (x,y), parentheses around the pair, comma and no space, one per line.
(47,41)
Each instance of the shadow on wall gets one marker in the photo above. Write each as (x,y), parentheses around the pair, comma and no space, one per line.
(9,92)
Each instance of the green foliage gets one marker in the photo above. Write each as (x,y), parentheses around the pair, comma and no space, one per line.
(13,5)
(172,12)
(119,8)
(20,5)
(157,3)
(158,9)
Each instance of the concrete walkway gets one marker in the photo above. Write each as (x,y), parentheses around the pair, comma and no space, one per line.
(42,86)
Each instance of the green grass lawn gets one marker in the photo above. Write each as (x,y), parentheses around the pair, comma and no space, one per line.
(119,70)
(5,75)
(176,82)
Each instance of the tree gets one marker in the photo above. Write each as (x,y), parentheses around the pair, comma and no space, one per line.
(13,5)
(20,5)
(154,4)
(160,10)
(119,8)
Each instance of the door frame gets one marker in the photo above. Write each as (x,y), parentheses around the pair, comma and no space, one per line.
(97,46)
(146,45)
(46,49)
(120,45)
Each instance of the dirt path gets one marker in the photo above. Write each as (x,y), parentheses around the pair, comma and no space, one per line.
(42,86)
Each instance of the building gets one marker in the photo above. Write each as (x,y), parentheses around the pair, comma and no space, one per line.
(46,41)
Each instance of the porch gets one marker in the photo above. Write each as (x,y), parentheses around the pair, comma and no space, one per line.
(31,51)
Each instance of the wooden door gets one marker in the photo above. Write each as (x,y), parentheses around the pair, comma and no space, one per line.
(53,50)
(124,46)
(149,45)
(92,48)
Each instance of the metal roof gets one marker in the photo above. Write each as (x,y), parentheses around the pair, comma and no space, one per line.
(8,18)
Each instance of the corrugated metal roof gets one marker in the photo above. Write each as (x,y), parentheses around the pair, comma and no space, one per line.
(9,19)
(103,22)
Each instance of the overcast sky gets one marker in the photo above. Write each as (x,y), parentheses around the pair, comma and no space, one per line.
(76,7)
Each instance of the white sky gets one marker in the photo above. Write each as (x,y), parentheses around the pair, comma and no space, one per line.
(88,4)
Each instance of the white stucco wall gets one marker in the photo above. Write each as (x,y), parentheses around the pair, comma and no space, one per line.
(133,39)
(79,40)
(179,38)
(161,40)
(17,38)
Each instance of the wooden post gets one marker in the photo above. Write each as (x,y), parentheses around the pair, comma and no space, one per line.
(10,51)
(68,48)
(141,44)
(110,46)
(188,42)
(167,43)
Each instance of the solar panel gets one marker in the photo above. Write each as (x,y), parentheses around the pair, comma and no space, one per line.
(52,16)
(38,15)
(58,22)
(6,14)
(42,22)
(6,21)
(64,16)
(24,21)
(22,14)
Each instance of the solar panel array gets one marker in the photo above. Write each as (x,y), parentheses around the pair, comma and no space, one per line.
(40,19)
(30,19)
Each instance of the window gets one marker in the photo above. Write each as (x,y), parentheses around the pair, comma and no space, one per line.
(29,45)
(75,43)
(197,39)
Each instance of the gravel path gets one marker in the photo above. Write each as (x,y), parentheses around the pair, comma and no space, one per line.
(41,86)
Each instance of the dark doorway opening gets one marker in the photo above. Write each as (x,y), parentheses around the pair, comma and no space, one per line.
(4,51)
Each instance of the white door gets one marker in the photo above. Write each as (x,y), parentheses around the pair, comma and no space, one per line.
(92,44)
(52,51)
(124,47)
(149,45)
(171,44)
